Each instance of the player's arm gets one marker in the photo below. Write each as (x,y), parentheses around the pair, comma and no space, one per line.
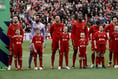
(43,31)
(86,32)
(51,30)
(72,34)
(89,32)
(33,40)
(95,38)
(9,33)
(42,44)
(107,28)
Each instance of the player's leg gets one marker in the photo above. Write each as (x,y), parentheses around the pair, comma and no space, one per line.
(93,54)
(41,58)
(30,56)
(115,58)
(102,59)
(54,48)
(97,59)
(20,58)
(110,54)
(15,58)
(84,58)
(10,55)
(35,60)
(61,57)
(80,58)
(66,56)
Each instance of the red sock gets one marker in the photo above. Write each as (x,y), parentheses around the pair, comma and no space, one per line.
(74,58)
(53,58)
(93,58)
(20,63)
(15,61)
(97,60)
(80,62)
(35,62)
(110,56)
(10,59)
(102,58)
(66,58)
(40,62)
(114,59)
(60,59)
(117,58)
(84,62)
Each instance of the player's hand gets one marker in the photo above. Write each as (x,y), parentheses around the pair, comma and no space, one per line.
(10,53)
(35,50)
(43,50)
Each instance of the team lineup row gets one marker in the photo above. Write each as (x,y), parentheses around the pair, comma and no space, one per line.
(60,40)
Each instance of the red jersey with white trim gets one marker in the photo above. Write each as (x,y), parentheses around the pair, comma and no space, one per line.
(82,43)
(12,28)
(77,28)
(93,29)
(18,41)
(100,37)
(56,30)
(38,41)
(64,39)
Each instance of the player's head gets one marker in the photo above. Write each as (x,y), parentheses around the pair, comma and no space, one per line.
(82,35)
(57,19)
(97,23)
(116,28)
(101,28)
(115,19)
(15,20)
(65,29)
(17,31)
(37,18)
(37,31)
(80,17)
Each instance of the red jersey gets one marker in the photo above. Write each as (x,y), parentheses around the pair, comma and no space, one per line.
(11,30)
(18,41)
(93,29)
(100,37)
(114,38)
(77,28)
(64,39)
(38,41)
(56,30)
(82,43)
(110,27)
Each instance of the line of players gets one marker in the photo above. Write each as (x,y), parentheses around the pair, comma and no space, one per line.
(60,40)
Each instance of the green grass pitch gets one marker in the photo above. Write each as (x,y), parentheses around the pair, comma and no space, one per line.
(47,73)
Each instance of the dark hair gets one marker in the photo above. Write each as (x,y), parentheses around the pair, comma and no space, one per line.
(37,29)
(98,22)
(114,17)
(38,15)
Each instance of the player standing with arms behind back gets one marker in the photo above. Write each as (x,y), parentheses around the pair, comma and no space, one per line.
(110,28)
(37,43)
(78,27)
(10,34)
(55,32)
(100,40)
(64,48)
(93,29)
(18,40)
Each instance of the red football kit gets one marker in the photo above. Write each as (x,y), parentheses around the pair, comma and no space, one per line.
(82,51)
(77,28)
(55,31)
(93,29)
(64,48)
(18,50)
(38,44)
(10,34)
(114,40)
(101,39)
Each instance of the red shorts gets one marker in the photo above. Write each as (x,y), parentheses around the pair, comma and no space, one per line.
(64,48)
(92,46)
(11,48)
(82,51)
(110,46)
(55,45)
(17,51)
(101,48)
(39,51)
